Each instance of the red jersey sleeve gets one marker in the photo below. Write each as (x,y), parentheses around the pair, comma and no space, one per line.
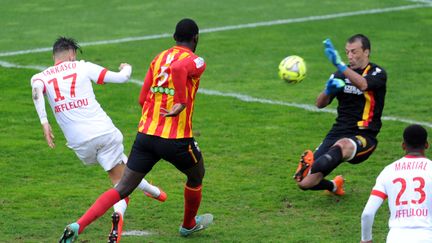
(191,67)
(148,80)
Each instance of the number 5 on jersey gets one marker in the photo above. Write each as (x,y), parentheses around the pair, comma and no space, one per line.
(163,75)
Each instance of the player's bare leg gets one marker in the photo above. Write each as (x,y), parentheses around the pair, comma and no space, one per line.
(322,166)
(310,180)
(148,189)
(348,147)
(115,175)
(125,187)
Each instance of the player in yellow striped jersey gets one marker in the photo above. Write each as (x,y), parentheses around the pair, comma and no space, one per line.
(360,89)
(164,132)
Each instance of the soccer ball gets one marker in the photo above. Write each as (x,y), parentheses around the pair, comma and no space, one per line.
(292,69)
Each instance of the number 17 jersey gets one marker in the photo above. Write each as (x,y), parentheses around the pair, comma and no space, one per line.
(407,183)
(69,90)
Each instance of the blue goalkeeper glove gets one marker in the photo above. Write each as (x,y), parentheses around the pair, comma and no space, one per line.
(333,55)
(333,86)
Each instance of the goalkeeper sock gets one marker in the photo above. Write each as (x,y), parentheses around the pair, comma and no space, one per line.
(335,153)
(327,162)
(323,185)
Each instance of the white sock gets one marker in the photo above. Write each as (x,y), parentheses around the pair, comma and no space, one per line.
(149,188)
(120,207)
(334,186)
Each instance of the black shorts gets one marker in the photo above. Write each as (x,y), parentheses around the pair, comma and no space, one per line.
(147,150)
(366,144)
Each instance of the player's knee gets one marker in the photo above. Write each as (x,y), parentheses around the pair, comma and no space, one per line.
(345,144)
(193,181)
(348,147)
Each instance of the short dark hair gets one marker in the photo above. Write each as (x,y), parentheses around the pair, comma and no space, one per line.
(65,44)
(415,136)
(185,30)
(363,39)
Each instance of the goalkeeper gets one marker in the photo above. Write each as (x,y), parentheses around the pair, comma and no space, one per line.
(360,89)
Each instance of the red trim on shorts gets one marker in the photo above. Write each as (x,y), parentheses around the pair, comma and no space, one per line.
(379,194)
(102,76)
(366,151)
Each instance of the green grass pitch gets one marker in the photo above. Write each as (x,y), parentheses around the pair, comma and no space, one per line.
(251,149)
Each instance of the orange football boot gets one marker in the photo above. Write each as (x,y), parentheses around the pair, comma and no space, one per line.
(339,181)
(116,229)
(305,164)
(162,196)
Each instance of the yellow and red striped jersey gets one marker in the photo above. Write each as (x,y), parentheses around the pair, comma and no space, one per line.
(173,77)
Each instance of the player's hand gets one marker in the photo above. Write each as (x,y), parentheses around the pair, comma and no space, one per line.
(122,65)
(176,109)
(126,69)
(49,136)
(334,86)
(333,55)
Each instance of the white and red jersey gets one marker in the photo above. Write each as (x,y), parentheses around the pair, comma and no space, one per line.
(70,94)
(407,183)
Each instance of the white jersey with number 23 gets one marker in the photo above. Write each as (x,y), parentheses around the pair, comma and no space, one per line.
(407,183)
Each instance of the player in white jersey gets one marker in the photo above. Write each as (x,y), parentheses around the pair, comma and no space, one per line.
(407,183)
(87,128)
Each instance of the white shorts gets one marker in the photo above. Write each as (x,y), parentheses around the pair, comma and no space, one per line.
(107,150)
(409,235)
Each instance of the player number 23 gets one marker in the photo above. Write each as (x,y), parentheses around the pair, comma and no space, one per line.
(418,189)
(59,96)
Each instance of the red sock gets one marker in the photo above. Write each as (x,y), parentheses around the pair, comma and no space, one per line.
(99,207)
(192,198)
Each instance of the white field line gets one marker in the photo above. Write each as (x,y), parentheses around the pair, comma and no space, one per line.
(137,233)
(242,97)
(423,4)
(420,1)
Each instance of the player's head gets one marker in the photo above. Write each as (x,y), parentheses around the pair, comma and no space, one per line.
(65,49)
(415,138)
(358,49)
(186,33)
